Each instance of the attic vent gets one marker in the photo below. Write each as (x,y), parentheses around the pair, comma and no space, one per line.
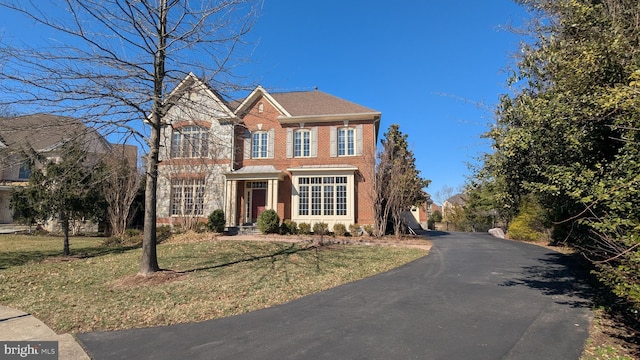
(260,108)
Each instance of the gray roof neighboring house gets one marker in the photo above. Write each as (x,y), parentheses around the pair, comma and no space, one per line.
(459,199)
(46,133)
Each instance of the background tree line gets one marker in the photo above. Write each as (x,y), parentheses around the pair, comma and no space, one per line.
(566,143)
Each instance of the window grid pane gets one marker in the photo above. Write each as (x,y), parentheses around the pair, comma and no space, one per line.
(316,200)
(341,144)
(350,142)
(304,200)
(263,148)
(346,141)
(256,145)
(328,199)
(341,200)
(259,144)
(322,196)
(189,141)
(297,144)
(187,197)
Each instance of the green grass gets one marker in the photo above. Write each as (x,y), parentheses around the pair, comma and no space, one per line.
(209,279)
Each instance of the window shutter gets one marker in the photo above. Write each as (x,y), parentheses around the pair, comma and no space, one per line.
(334,141)
(359,140)
(247,144)
(289,142)
(314,142)
(271,143)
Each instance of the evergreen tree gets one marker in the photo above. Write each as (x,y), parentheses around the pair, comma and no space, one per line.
(62,191)
(398,182)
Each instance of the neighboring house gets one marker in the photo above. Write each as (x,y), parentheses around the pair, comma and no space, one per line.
(43,134)
(418,216)
(308,155)
(452,205)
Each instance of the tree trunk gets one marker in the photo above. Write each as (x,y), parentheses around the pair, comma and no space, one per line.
(65,231)
(149,261)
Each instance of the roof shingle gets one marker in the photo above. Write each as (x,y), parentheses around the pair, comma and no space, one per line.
(310,103)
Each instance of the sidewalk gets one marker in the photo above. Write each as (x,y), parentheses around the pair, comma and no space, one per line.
(16,325)
(12,228)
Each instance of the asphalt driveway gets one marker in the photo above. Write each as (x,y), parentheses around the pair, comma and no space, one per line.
(472,297)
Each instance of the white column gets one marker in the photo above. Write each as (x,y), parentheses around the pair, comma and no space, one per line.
(230,199)
(272,194)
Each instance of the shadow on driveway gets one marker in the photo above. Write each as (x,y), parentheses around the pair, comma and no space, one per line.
(558,275)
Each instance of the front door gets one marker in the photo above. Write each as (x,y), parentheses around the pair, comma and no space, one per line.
(258,203)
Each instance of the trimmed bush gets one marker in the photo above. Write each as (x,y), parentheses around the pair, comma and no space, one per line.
(339,229)
(216,221)
(304,228)
(354,230)
(288,227)
(321,228)
(368,229)
(269,222)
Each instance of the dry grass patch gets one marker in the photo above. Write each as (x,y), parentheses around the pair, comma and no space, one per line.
(610,339)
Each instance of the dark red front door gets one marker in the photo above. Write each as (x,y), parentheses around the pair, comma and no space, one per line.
(258,202)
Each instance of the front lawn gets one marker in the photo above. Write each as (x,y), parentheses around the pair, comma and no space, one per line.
(96,288)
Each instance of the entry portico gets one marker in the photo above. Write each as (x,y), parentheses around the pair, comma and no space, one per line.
(250,190)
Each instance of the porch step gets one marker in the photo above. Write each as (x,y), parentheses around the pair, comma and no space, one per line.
(248,229)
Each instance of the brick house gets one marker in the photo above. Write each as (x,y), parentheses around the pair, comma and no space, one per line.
(308,155)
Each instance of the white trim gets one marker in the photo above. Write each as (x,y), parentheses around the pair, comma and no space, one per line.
(328,117)
(320,169)
(207,90)
(348,172)
(259,90)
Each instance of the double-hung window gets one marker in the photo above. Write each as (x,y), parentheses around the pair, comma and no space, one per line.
(259,144)
(302,143)
(187,197)
(189,142)
(346,141)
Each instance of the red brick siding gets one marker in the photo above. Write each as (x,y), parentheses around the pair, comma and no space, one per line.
(364,212)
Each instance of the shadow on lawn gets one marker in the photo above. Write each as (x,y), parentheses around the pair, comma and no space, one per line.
(290,249)
(17,258)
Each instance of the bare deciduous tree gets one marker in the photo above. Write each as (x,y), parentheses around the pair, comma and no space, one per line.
(113,64)
(120,185)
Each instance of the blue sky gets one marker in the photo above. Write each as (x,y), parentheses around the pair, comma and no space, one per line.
(426,65)
(436,68)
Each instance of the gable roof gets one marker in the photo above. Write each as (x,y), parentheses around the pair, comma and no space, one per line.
(192,82)
(458,199)
(253,96)
(46,132)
